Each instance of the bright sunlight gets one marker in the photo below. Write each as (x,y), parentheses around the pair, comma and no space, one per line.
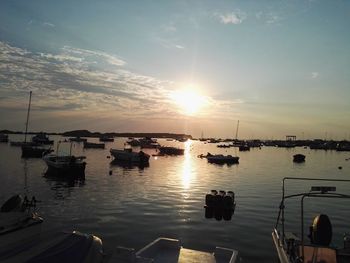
(188,101)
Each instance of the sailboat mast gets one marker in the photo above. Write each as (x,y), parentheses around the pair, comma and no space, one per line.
(237,130)
(30,100)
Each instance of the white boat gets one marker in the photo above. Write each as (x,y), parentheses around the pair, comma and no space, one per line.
(65,165)
(168,250)
(127,155)
(221,159)
(292,248)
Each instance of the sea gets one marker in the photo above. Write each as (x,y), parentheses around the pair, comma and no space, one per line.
(131,206)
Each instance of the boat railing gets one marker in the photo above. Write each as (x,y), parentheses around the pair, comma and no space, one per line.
(318,191)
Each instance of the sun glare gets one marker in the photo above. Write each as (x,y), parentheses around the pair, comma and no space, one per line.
(188,101)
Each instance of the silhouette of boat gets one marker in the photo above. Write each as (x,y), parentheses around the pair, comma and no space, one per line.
(127,155)
(292,248)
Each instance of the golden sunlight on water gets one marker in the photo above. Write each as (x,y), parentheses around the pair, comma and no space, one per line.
(188,171)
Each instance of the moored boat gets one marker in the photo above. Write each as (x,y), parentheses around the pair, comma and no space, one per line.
(128,155)
(167,150)
(94,145)
(42,138)
(299,158)
(34,151)
(65,165)
(222,159)
(78,139)
(106,139)
(293,248)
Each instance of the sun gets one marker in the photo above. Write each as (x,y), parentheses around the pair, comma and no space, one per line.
(189,101)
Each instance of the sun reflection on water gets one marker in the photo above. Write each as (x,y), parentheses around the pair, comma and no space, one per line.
(188,172)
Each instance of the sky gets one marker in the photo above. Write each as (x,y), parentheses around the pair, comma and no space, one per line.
(195,67)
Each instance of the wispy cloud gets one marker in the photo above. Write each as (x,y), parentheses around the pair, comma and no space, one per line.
(235,17)
(315,75)
(48,24)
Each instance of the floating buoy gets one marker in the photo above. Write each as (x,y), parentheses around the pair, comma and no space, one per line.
(339,167)
(110,172)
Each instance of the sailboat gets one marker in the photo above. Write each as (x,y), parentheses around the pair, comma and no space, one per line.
(30,149)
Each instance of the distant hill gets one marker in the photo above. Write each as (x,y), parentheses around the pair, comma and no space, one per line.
(86,133)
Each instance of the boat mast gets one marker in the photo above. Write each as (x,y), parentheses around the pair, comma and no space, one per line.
(237,130)
(30,99)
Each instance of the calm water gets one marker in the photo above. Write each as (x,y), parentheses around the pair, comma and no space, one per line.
(133,206)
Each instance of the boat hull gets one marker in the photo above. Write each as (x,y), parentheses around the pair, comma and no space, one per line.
(129,156)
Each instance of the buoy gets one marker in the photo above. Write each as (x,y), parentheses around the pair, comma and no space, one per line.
(110,172)
(340,167)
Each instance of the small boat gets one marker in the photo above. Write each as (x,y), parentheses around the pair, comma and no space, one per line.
(299,158)
(167,150)
(106,139)
(292,248)
(4,137)
(222,159)
(170,250)
(65,165)
(133,142)
(128,155)
(149,143)
(41,138)
(22,240)
(19,223)
(78,139)
(244,148)
(92,145)
(223,146)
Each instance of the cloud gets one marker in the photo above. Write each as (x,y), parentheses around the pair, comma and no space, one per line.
(236,17)
(315,75)
(47,24)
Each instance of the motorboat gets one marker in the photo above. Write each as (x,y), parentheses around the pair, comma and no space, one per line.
(168,150)
(42,138)
(4,137)
(65,164)
(293,248)
(133,142)
(149,143)
(106,139)
(21,238)
(127,155)
(222,159)
(298,158)
(244,148)
(19,223)
(94,145)
(170,250)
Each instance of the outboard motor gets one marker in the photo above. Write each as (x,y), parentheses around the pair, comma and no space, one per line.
(321,231)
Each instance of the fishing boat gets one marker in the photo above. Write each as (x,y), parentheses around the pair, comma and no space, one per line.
(127,155)
(65,165)
(170,250)
(167,150)
(42,138)
(88,145)
(78,139)
(35,151)
(222,159)
(22,240)
(149,143)
(292,248)
(133,142)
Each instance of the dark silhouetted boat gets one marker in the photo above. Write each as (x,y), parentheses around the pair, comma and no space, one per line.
(168,150)
(222,159)
(92,145)
(127,155)
(106,139)
(42,138)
